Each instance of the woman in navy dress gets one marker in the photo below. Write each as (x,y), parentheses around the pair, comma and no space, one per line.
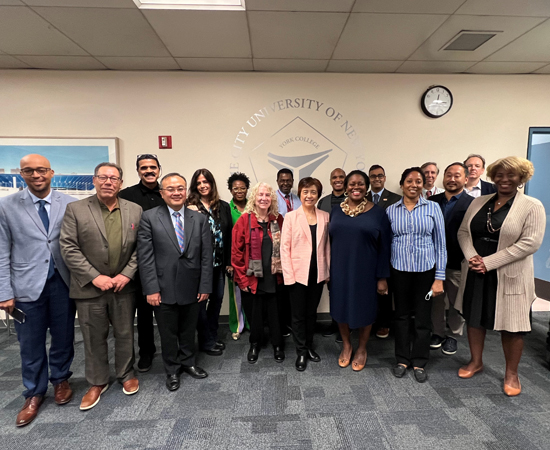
(360,236)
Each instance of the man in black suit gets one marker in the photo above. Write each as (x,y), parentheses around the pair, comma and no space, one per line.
(380,196)
(175,266)
(453,202)
(475,186)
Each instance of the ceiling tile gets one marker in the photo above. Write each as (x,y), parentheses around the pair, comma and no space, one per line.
(288,35)
(505,67)
(216,64)
(545,69)
(385,36)
(9,62)
(299,5)
(506,7)
(84,3)
(139,63)
(63,62)
(107,32)
(290,65)
(202,33)
(23,32)
(359,66)
(510,27)
(408,6)
(532,46)
(435,66)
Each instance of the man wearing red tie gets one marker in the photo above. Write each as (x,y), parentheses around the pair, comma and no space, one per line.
(286,200)
(431,171)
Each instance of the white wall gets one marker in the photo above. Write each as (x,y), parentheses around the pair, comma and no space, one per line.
(204,112)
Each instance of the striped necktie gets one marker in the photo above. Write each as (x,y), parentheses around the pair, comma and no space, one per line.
(43,214)
(179,230)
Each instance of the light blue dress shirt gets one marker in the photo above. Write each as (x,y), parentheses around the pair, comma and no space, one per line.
(294,201)
(181,211)
(48,199)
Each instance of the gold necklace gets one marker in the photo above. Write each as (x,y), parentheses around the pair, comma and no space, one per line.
(353,212)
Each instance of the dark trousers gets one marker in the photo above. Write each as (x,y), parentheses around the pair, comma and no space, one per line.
(260,306)
(54,310)
(283,301)
(177,325)
(209,314)
(304,301)
(385,309)
(410,289)
(94,316)
(145,327)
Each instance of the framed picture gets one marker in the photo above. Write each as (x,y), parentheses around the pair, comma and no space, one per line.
(72,159)
(538,152)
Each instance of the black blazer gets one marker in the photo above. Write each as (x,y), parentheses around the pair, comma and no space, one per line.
(179,277)
(452,224)
(487,188)
(388,198)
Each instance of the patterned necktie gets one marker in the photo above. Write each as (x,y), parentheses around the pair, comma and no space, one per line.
(179,230)
(288,204)
(428,194)
(46,221)
(375,198)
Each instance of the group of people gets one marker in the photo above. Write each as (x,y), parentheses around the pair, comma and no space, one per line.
(166,249)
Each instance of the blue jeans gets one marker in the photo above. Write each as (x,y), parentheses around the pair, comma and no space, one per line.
(209,312)
(54,310)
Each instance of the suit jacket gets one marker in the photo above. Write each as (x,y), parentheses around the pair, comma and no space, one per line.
(85,249)
(487,188)
(521,235)
(296,247)
(388,198)
(452,224)
(179,277)
(26,247)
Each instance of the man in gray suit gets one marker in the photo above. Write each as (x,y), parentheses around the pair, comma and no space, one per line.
(175,267)
(98,243)
(34,279)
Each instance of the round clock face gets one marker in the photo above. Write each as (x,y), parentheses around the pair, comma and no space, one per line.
(436,101)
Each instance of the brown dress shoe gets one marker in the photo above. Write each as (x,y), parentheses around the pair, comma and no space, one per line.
(131,386)
(63,393)
(29,411)
(92,397)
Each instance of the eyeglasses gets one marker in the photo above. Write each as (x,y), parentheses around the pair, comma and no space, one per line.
(235,189)
(40,171)
(379,176)
(104,178)
(170,190)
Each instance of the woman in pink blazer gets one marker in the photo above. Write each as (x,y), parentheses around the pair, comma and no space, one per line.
(305,256)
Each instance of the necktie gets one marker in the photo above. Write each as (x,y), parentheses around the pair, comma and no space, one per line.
(375,198)
(179,230)
(288,204)
(46,221)
(428,194)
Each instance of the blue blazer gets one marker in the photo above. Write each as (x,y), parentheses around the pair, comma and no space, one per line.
(25,246)
(487,188)
(452,224)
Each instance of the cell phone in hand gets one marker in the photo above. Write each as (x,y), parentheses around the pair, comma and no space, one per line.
(18,315)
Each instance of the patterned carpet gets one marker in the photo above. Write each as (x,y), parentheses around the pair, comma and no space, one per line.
(272,406)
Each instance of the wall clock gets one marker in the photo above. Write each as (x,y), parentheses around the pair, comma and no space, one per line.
(436,101)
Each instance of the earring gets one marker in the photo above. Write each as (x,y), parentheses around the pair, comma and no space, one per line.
(521,186)
(346,194)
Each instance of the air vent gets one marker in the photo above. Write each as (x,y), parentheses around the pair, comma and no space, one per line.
(469,41)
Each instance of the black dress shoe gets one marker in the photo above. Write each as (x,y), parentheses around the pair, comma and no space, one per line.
(145,362)
(399,370)
(313,356)
(195,371)
(220,345)
(421,375)
(301,363)
(278,354)
(214,351)
(253,353)
(172,382)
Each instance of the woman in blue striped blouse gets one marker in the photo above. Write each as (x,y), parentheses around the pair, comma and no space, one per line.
(418,260)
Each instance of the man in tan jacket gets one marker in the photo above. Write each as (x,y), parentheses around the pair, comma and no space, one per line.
(98,245)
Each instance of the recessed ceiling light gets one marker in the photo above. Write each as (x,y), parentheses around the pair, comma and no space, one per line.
(469,41)
(236,5)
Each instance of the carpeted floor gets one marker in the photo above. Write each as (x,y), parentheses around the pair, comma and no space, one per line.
(272,406)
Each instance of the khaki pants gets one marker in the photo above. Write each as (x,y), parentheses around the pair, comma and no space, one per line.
(454,319)
(94,316)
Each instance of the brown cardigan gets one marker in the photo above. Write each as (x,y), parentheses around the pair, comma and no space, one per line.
(520,236)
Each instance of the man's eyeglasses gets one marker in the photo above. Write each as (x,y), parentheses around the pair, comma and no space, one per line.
(104,178)
(40,171)
(170,190)
(379,176)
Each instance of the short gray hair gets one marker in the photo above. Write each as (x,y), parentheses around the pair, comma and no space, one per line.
(423,166)
(108,164)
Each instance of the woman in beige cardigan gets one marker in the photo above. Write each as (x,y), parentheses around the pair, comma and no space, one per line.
(499,234)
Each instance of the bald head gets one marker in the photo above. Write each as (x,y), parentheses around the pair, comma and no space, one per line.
(37,173)
(337,177)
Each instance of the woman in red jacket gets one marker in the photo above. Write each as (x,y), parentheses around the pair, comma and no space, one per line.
(256,259)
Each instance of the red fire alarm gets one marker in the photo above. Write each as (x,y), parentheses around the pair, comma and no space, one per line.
(165,141)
